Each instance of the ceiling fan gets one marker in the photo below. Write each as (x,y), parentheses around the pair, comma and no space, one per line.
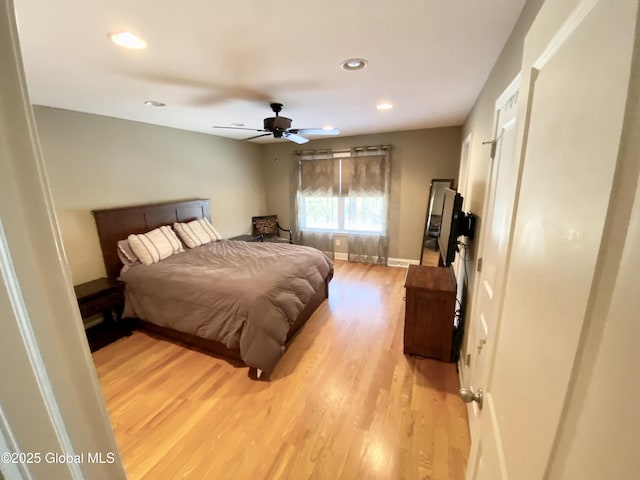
(279,127)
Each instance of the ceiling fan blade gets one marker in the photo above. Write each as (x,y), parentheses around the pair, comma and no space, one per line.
(240,128)
(257,136)
(292,137)
(315,131)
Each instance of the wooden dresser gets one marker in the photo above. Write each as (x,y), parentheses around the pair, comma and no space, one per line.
(430,312)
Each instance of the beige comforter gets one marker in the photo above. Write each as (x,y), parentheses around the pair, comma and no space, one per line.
(244,295)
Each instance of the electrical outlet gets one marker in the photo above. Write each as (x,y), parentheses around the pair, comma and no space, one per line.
(338,242)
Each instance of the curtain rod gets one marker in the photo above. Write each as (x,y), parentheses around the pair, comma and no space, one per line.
(343,150)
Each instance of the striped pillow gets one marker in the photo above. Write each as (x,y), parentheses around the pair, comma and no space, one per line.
(206,224)
(126,255)
(197,232)
(156,245)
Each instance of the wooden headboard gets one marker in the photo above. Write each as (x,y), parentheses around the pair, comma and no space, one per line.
(116,224)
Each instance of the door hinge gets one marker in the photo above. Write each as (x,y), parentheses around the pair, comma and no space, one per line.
(468,361)
(479,265)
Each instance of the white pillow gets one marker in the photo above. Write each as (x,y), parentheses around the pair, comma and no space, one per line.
(206,224)
(156,245)
(126,255)
(197,232)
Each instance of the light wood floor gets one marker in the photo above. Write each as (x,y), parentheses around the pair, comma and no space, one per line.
(430,257)
(343,402)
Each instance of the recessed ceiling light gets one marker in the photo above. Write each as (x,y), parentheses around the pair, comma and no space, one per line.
(384,106)
(328,127)
(127,40)
(354,64)
(154,103)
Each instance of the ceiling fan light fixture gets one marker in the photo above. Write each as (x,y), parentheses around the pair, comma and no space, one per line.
(127,40)
(354,64)
(154,103)
(280,127)
(384,106)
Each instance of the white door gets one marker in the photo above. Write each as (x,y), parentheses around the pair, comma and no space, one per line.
(574,86)
(496,221)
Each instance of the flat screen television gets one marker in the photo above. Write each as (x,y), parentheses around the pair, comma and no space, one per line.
(450,228)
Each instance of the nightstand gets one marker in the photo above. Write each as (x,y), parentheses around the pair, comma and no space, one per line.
(247,238)
(106,297)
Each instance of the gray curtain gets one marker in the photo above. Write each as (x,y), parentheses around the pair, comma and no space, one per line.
(318,178)
(368,189)
(345,191)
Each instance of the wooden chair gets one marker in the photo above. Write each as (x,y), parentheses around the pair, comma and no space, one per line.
(268,229)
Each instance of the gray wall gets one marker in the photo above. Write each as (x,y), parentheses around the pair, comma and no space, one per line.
(480,120)
(417,156)
(100,162)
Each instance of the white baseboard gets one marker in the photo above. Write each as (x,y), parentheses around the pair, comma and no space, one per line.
(391,262)
(402,262)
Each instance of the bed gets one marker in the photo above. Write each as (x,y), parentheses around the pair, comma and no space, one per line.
(238,300)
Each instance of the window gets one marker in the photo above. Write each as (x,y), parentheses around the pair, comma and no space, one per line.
(345,193)
(319,213)
(364,214)
(328,201)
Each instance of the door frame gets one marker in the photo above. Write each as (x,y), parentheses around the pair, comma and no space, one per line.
(53,400)
(462,285)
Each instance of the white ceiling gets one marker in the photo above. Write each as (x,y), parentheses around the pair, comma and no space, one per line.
(218,63)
